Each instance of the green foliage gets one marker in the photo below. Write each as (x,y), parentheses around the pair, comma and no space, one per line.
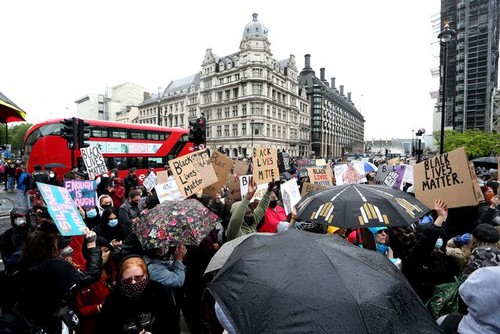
(15,135)
(476,143)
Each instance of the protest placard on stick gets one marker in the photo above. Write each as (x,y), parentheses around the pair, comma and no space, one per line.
(62,209)
(94,161)
(83,192)
(222,165)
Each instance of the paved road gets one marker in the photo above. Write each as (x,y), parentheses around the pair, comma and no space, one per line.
(5,221)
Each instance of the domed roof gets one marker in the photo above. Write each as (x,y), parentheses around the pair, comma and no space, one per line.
(254,28)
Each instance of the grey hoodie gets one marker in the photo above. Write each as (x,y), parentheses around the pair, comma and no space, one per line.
(481,293)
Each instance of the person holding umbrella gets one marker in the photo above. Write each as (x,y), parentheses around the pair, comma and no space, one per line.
(244,219)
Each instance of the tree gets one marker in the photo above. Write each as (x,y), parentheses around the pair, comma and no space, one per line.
(17,135)
(476,143)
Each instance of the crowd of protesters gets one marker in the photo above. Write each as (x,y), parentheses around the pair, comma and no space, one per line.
(105,282)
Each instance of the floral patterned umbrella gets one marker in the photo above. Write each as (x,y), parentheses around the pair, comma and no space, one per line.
(173,222)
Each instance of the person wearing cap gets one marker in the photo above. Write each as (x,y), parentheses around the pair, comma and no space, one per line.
(130,182)
(484,249)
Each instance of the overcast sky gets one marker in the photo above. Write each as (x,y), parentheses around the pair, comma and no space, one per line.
(54,52)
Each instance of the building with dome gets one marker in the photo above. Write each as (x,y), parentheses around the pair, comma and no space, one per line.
(249,98)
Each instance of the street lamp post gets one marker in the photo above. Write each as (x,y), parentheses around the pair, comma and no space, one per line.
(445,37)
(159,106)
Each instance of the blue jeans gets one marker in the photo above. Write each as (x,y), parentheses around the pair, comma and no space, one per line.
(10,182)
(23,199)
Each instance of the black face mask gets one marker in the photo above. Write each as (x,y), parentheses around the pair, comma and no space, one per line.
(272,204)
(134,204)
(104,207)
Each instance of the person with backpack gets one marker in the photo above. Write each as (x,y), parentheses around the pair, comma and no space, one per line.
(23,186)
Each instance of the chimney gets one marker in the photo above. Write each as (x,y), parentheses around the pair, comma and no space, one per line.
(333,83)
(349,96)
(322,74)
(341,90)
(307,61)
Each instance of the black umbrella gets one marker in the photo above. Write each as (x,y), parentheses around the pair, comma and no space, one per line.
(491,162)
(360,205)
(55,165)
(301,282)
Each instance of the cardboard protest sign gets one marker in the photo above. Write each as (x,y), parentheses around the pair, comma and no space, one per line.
(83,192)
(168,191)
(446,177)
(320,162)
(94,161)
(265,164)
(192,172)
(320,176)
(161,177)
(308,187)
(349,173)
(222,165)
(150,181)
(475,183)
(290,195)
(233,185)
(391,175)
(62,209)
(240,167)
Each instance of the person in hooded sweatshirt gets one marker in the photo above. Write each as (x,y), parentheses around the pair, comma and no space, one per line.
(117,192)
(481,293)
(111,229)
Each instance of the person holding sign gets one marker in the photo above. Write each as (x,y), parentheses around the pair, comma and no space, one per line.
(273,216)
(244,219)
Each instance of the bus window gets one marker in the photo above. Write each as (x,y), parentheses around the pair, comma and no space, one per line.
(118,134)
(137,134)
(99,132)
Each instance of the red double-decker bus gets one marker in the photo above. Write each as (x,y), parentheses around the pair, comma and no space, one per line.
(123,145)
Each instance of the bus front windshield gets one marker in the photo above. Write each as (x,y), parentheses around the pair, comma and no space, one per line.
(46,130)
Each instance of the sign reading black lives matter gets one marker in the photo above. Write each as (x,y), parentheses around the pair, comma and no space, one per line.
(445,177)
(94,161)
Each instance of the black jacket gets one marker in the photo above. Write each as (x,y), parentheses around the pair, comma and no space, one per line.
(153,311)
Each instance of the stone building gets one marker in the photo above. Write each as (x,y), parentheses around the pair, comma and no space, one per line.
(337,127)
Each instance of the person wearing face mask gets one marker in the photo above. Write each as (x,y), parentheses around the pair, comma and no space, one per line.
(111,229)
(129,211)
(14,238)
(136,304)
(53,180)
(273,216)
(244,218)
(104,202)
(90,216)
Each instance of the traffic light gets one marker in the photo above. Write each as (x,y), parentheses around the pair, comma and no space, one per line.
(193,131)
(69,131)
(83,133)
(202,130)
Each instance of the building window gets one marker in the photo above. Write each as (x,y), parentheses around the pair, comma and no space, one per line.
(244,109)
(257,72)
(226,112)
(228,94)
(219,113)
(244,129)
(219,96)
(219,131)
(244,89)
(235,93)
(235,130)
(226,130)
(235,111)
(257,89)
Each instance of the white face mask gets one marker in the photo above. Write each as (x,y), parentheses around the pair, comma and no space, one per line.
(52,174)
